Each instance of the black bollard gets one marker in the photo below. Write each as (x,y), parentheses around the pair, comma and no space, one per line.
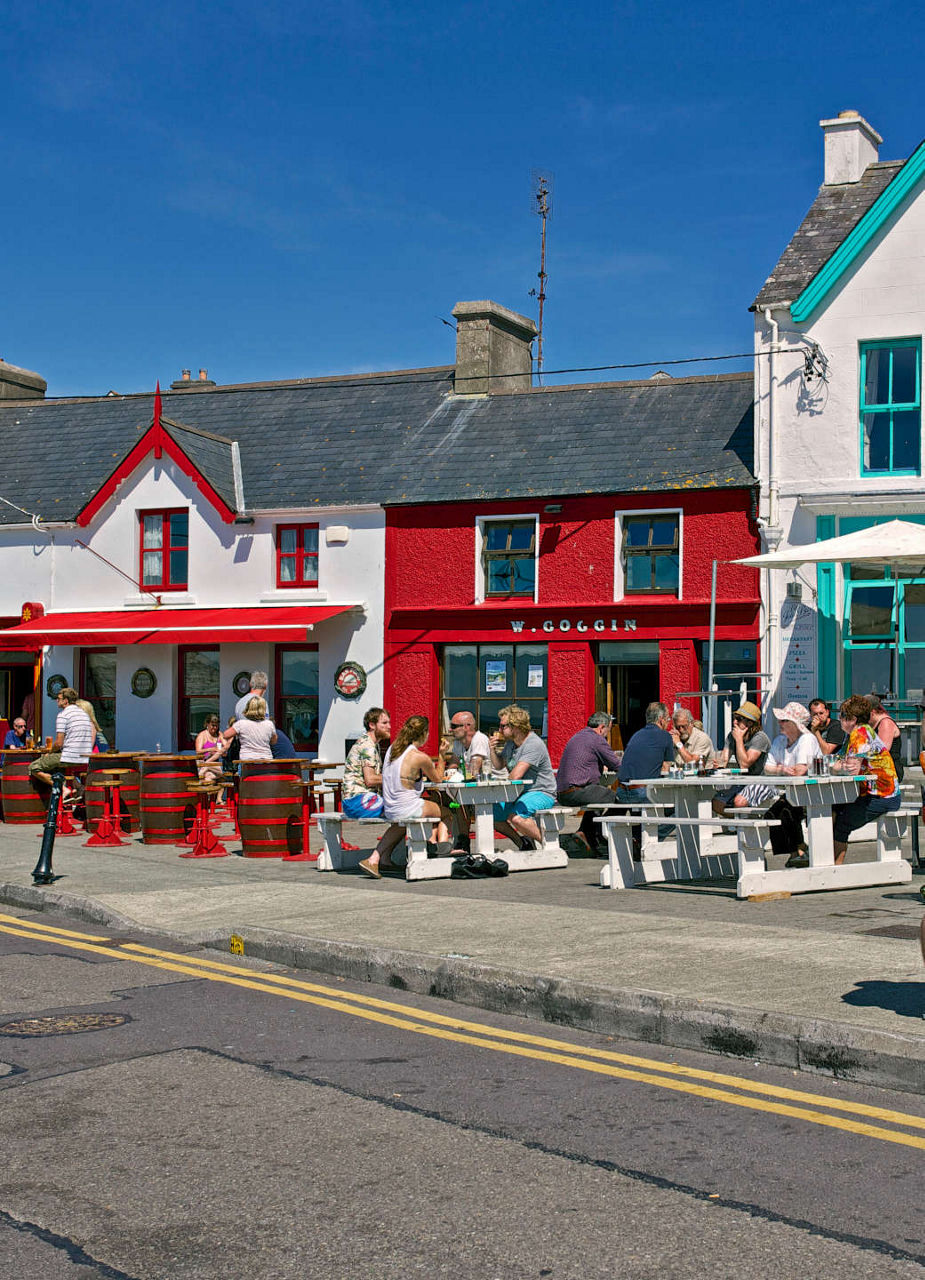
(42,872)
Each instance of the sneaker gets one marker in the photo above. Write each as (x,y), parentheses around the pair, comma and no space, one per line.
(797,860)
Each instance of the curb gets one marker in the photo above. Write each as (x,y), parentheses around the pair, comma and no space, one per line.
(826,1047)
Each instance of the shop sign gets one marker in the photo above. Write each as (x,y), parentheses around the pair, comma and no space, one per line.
(54,685)
(565,624)
(350,680)
(144,682)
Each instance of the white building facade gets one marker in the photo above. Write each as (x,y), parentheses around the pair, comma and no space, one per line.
(165,592)
(838,356)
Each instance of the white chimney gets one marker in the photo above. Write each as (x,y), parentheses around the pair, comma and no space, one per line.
(850,146)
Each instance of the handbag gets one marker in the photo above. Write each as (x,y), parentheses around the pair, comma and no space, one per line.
(788,837)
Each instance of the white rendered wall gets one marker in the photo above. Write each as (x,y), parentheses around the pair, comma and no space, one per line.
(229,565)
(816,426)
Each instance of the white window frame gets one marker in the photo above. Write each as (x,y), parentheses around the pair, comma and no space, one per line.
(619,574)
(480,523)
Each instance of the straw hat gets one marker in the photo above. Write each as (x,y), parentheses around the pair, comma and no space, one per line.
(748,711)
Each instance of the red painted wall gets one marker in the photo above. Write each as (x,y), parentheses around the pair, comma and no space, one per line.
(430,595)
(430,551)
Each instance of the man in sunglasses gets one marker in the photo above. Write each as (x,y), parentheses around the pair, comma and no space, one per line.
(16,737)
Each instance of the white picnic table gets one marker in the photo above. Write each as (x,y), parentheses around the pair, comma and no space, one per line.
(481,796)
(700,850)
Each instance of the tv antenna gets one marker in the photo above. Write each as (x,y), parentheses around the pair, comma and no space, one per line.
(542,204)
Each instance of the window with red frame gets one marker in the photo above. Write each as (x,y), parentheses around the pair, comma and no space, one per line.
(164,547)
(296,705)
(297,555)
(199,688)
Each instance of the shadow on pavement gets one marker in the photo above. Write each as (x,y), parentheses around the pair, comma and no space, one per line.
(905,998)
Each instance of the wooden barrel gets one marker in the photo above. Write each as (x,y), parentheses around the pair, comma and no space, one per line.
(22,799)
(129,789)
(270,808)
(167,808)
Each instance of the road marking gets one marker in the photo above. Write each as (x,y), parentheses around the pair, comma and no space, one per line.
(456,1030)
(520,1037)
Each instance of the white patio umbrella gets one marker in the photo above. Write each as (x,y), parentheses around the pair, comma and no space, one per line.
(893,545)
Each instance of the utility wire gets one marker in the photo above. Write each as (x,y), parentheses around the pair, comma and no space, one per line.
(30,514)
(387,380)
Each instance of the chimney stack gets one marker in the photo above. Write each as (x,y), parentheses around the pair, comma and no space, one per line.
(851,144)
(186,383)
(20,384)
(492,349)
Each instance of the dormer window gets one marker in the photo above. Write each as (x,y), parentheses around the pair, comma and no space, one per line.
(164,546)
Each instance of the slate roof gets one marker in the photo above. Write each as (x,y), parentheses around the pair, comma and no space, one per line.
(395,438)
(831,217)
(210,454)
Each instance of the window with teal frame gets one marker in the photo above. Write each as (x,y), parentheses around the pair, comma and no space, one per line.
(871,632)
(891,407)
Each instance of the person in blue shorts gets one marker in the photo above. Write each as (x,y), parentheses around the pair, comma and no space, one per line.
(362,784)
(523,753)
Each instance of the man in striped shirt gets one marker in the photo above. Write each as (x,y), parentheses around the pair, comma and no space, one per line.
(74,736)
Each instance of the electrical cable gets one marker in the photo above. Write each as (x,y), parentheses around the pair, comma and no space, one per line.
(389,380)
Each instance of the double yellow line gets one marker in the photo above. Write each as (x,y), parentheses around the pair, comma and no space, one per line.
(690,1080)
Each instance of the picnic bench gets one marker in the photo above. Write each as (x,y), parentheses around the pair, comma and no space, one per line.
(676,859)
(420,865)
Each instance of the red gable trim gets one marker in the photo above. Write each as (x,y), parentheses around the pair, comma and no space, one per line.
(157,441)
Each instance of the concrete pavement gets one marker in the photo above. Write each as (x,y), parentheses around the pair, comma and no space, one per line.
(828,982)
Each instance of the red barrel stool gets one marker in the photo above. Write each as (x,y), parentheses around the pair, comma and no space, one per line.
(65,824)
(205,842)
(107,826)
(305,853)
(129,789)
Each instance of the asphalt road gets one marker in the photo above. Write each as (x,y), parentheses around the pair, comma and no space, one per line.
(192,1115)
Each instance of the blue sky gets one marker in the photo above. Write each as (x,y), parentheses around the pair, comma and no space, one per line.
(280,190)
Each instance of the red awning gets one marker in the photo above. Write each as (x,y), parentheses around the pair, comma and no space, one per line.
(276,623)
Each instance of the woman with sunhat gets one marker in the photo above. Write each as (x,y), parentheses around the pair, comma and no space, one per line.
(746,749)
(792,753)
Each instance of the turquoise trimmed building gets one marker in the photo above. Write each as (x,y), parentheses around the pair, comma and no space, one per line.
(838,421)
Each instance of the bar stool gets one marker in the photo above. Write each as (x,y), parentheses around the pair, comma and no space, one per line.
(202,837)
(305,854)
(318,791)
(108,827)
(65,824)
(225,809)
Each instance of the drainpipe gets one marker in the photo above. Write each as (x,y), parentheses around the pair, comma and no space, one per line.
(771,527)
(773,485)
(40,527)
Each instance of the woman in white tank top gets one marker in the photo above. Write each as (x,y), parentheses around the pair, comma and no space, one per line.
(406,770)
(399,801)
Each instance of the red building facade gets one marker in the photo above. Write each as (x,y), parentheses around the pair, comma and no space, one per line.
(581,639)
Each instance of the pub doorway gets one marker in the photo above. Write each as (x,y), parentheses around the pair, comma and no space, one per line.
(627,680)
(17,689)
